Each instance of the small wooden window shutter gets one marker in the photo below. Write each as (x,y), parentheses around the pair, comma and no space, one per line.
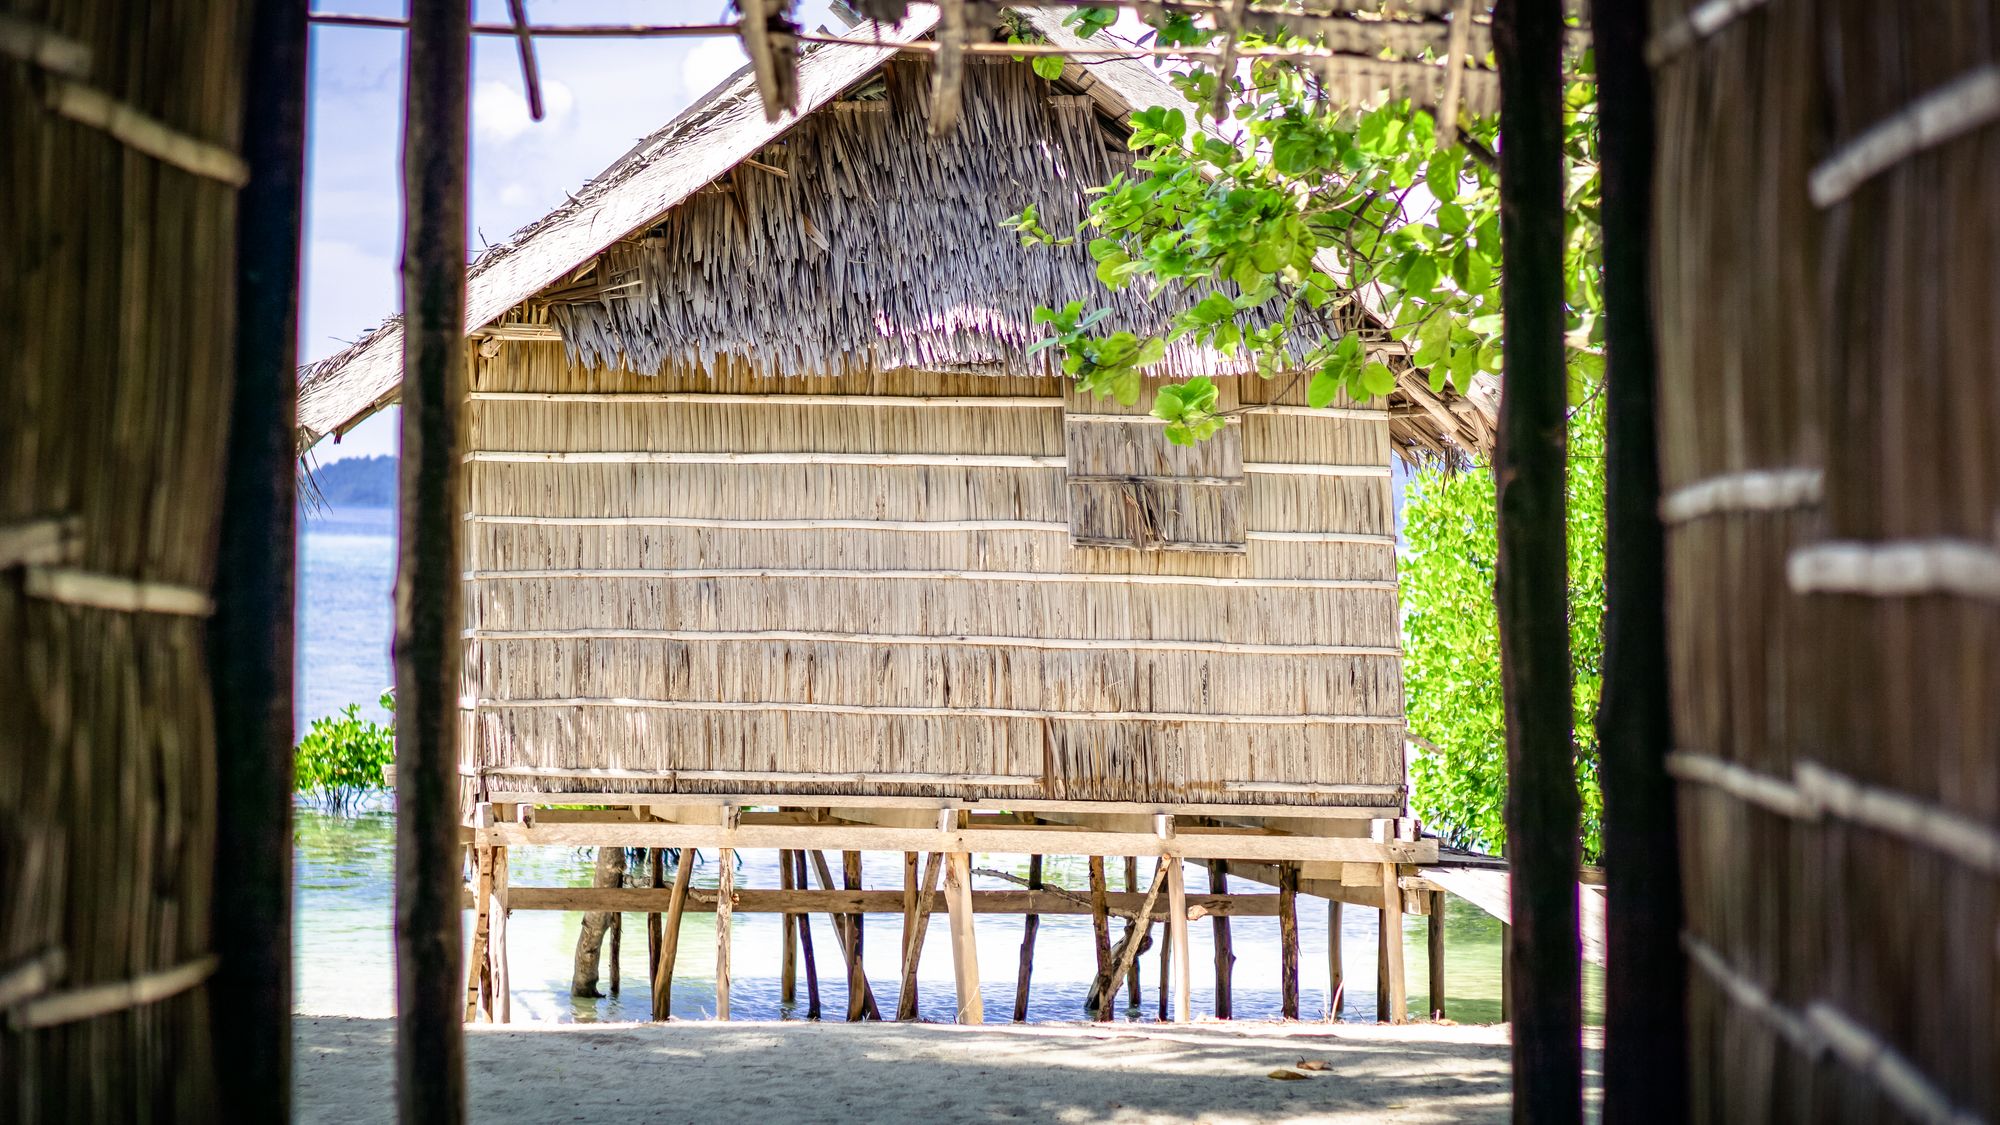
(1130,487)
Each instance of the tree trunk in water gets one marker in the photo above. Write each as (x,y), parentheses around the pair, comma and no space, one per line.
(1531,587)
(589,943)
(1645,981)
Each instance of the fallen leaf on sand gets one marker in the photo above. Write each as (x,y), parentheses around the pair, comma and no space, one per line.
(1315,1064)
(1286,1074)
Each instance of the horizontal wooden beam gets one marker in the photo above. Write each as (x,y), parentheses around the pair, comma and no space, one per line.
(1189,843)
(636,900)
(1061,644)
(836,801)
(893,712)
(1011,576)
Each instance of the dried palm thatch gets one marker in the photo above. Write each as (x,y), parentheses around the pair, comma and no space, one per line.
(653,253)
(1827,288)
(120,178)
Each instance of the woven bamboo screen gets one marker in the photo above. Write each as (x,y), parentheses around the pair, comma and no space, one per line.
(1828,283)
(118,174)
(865,584)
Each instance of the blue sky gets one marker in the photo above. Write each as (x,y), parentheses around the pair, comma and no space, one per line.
(601,96)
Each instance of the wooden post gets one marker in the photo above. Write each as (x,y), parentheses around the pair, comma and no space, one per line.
(1225,954)
(1100,914)
(1132,884)
(1506,973)
(502,976)
(250,637)
(859,1001)
(656,862)
(806,938)
(964,947)
(912,879)
(1336,975)
(788,953)
(430,1034)
(1028,928)
(725,887)
(1434,931)
(857,980)
(1531,580)
(1166,991)
(913,942)
(670,936)
(1288,940)
(1177,942)
(1392,999)
(1645,982)
(617,948)
(478,967)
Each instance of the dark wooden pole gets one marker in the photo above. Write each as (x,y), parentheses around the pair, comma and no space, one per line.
(1645,1048)
(1543,808)
(1288,940)
(1434,931)
(1225,955)
(1032,923)
(806,938)
(430,1040)
(250,636)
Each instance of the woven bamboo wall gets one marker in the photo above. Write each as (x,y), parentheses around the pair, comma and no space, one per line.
(1831,457)
(767,580)
(118,126)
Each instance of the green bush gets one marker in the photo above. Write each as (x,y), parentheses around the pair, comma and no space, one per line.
(339,761)
(1451,642)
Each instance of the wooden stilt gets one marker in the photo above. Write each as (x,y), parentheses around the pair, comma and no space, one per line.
(1132,884)
(1225,953)
(503,1003)
(1104,990)
(859,1002)
(857,980)
(1167,951)
(1435,932)
(912,878)
(1391,994)
(788,929)
(1288,940)
(1506,973)
(806,939)
(1177,942)
(913,944)
(617,948)
(725,886)
(656,862)
(1100,914)
(670,936)
(964,947)
(478,969)
(1028,928)
(1336,975)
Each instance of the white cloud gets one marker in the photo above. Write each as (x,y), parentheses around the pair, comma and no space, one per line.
(711,62)
(500,111)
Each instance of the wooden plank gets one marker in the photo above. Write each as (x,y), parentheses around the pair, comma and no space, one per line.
(1392,993)
(964,945)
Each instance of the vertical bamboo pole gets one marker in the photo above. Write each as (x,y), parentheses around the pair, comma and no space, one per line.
(1434,932)
(1531,586)
(430,1038)
(1028,928)
(1132,884)
(806,938)
(1336,975)
(1225,953)
(1645,1054)
(858,999)
(250,636)
(670,936)
(964,947)
(913,944)
(1100,913)
(1288,940)
(1177,941)
(1392,997)
(725,891)
(788,953)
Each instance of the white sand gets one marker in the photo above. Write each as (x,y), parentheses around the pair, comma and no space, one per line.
(864,1073)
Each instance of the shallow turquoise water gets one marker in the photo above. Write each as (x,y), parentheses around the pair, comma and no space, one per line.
(345,870)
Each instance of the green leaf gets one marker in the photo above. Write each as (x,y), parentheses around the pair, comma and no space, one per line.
(1377,379)
(1441,173)
(1152,351)
(1048,66)
(1323,389)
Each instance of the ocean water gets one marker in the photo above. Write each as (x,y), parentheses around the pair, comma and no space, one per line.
(344,870)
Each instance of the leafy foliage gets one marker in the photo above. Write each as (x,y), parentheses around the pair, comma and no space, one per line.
(339,761)
(1451,641)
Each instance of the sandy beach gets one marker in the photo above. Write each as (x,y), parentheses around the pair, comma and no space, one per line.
(698,1072)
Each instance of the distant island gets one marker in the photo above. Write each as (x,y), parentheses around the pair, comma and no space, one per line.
(357,482)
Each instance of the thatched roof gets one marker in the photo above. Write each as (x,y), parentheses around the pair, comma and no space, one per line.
(644,267)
